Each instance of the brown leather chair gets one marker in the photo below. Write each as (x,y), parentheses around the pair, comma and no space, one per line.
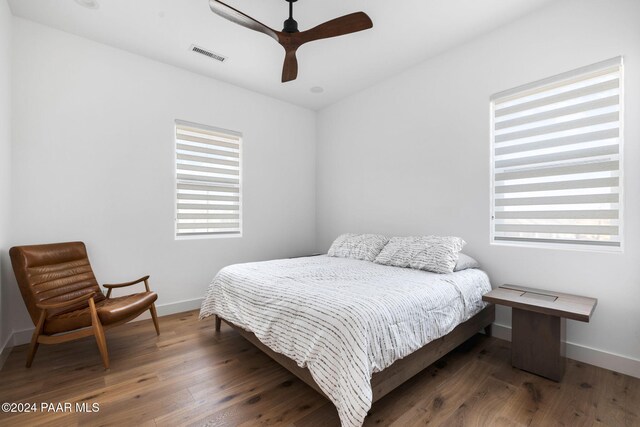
(64,299)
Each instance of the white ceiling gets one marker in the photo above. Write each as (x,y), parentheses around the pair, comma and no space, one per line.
(404,33)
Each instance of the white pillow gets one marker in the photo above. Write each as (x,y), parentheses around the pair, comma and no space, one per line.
(465,261)
(430,253)
(358,246)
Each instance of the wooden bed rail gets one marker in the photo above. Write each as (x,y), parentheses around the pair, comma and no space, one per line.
(385,381)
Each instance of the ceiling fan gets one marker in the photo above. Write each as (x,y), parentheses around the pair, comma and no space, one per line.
(290,38)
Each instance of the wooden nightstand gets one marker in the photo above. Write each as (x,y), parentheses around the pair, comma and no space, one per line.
(538,326)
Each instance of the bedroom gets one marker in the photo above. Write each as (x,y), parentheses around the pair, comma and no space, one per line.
(394,139)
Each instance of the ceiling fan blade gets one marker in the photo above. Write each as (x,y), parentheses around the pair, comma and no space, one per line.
(347,24)
(290,68)
(240,18)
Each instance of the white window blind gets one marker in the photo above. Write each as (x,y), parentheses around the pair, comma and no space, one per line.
(208,184)
(557,168)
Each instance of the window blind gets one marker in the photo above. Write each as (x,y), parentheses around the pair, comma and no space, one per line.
(208,184)
(557,159)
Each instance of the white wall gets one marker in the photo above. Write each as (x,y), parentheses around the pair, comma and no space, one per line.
(411,155)
(93,161)
(5,165)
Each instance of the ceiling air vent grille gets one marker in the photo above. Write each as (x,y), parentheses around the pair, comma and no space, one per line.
(208,53)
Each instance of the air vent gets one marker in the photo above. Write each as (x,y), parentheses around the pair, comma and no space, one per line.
(208,53)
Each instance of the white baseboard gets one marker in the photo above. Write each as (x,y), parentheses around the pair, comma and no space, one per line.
(21,337)
(4,351)
(172,308)
(592,356)
(179,306)
(24,336)
(581,353)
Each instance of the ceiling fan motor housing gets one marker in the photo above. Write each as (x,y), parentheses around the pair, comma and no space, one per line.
(290,25)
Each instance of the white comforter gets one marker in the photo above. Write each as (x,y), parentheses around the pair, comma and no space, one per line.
(344,319)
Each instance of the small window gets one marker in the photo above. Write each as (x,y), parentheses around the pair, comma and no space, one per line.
(557,160)
(208,181)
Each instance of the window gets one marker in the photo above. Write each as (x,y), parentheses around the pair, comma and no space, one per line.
(208,181)
(556,160)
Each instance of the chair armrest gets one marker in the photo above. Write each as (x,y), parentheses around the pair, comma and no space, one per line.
(45,306)
(122,285)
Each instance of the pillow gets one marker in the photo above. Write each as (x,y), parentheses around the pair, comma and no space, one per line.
(430,253)
(358,246)
(464,262)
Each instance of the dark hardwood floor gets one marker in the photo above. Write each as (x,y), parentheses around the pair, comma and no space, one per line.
(192,376)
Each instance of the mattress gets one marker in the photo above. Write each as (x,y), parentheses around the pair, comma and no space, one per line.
(344,319)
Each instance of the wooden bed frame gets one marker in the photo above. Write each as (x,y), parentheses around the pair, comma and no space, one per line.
(385,381)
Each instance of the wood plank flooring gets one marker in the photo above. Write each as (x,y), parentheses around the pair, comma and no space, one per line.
(192,376)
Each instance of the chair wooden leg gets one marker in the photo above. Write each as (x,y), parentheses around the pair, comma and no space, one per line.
(33,347)
(34,338)
(152,309)
(218,323)
(98,331)
(154,316)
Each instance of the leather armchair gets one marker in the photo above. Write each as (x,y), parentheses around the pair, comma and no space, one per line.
(65,301)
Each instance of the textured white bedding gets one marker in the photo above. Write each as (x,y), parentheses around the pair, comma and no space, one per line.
(344,319)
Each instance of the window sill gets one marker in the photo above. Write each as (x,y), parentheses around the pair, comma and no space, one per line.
(562,247)
(208,236)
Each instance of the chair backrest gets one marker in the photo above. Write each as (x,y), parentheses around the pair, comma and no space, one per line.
(53,273)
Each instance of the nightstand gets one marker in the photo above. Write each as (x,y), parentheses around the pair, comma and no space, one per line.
(538,326)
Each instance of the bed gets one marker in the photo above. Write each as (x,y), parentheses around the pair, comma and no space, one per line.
(353,330)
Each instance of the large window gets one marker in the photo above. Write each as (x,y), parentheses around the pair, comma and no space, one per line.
(557,160)
(208,181)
